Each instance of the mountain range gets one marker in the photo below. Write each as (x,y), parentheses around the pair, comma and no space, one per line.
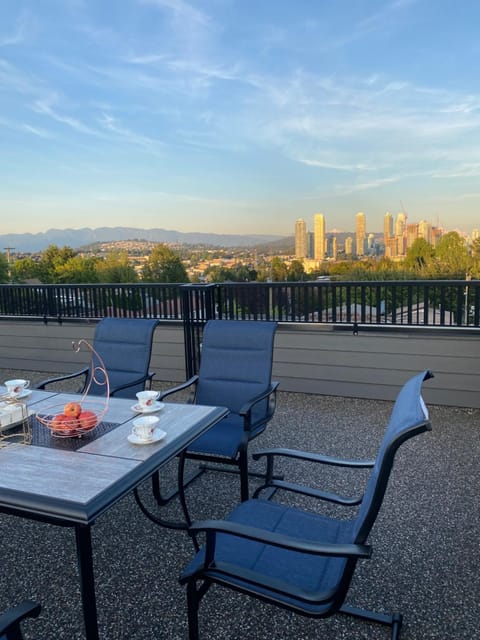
(75,238)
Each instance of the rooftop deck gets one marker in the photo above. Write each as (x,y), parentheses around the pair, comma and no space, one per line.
(425,541)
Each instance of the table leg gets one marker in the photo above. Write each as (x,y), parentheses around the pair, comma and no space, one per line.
(87,580)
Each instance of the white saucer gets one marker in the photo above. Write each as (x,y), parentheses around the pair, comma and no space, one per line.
(156,406)
(158,434)
(25,393)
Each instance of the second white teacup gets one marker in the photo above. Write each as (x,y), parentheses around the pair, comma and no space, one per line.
(146,399)
(144,427)
(16,387)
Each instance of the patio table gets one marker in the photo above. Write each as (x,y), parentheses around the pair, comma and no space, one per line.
(50,482)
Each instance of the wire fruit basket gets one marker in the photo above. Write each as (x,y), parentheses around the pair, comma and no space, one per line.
(77,417)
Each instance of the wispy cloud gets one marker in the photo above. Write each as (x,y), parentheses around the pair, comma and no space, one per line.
(112,124)
(381,20)
(182,10)
(37,131)
(24,25)
(45,106)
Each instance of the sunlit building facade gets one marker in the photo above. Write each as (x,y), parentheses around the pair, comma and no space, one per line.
(319,236)
(360,233)
(301,244)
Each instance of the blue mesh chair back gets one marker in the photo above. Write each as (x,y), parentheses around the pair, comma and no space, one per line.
(232,372)
(408,418)
(125,346)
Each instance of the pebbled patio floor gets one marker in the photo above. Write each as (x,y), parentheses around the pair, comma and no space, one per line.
(425,541)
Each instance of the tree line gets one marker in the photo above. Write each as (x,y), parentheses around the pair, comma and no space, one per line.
(66,266)
(450,259)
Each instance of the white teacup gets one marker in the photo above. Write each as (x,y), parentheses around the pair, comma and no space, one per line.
(146,399)
(16,387)
(144,427)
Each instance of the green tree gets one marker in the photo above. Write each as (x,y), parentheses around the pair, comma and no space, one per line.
(25,269)
(116,267)
(216,273)
(296,271)
(475,254)
(52,258)
(4,268)
(163,265)
(420,256)
(76,270)
(278,270)
(452,257)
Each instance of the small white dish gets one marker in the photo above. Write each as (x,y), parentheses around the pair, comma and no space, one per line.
(24,394)
(158,434)
(156,406)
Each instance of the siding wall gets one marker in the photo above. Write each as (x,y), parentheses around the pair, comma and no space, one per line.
(309,359)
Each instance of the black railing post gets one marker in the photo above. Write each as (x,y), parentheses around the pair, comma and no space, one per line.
(198,306)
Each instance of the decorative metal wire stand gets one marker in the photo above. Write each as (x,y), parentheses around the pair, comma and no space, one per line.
(63,425)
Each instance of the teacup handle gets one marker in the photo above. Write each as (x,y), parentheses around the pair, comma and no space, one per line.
(27,384)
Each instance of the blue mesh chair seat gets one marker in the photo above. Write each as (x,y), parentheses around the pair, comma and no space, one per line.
(297,559)
(235,372)
(125,347)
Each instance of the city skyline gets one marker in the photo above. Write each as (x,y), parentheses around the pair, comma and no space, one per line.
(398,236)
(229,116)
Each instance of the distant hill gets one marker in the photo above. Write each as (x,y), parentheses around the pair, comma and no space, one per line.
(75,238)
(282,245)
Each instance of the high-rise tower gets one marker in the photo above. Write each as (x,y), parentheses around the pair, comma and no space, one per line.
(319,231)
(425,231)
(301,246)
(400,228)
(360,233)
(387,227)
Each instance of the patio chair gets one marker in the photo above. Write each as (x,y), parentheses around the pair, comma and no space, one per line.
(297,559)
(11,620)
(125,346)
(235,372)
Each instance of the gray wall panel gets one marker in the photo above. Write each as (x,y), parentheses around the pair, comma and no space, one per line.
(309,359)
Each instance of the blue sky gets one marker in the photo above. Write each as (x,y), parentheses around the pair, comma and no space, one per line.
(238,116)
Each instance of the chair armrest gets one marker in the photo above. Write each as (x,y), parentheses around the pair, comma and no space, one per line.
(185,385)
(12,618)
(274,483)
(313,457)
(212,527)
(70,376)
(328,496)
(246,409)
(144,378)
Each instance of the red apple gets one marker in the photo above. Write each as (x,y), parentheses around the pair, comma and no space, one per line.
(58,422)
(87,420)
(72,409)
(64,424)
(71,424)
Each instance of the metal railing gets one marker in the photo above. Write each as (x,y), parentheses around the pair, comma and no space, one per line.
(427,303)
(413,303)
(163,301)
(437,303)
